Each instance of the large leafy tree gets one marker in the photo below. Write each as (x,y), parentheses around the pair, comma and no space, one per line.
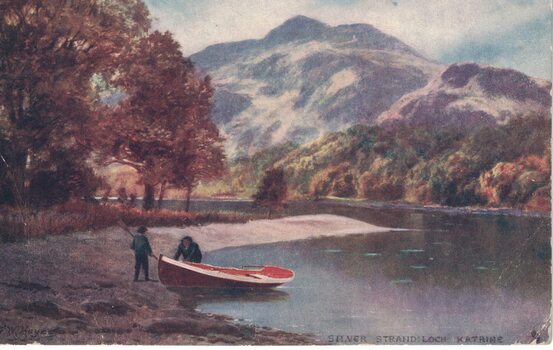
(199,153)
(272,190)
(162,127)
(49,51)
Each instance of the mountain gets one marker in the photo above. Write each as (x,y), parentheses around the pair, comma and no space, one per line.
(468,95)
(475,135)
(306,78)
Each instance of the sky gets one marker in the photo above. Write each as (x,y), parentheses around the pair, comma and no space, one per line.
(505,33)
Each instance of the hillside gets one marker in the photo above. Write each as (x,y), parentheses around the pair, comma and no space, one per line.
(468,95)
(505,165)
(304,79)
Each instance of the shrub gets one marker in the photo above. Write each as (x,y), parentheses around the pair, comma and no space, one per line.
(514,183)
(77,216)
(335,180)
(380,188)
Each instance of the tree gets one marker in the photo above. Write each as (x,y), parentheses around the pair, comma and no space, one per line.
(272,191)
(49,51)
(199,156)
(162,128)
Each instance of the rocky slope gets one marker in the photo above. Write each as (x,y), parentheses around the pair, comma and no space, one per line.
(469,95)
(305,78)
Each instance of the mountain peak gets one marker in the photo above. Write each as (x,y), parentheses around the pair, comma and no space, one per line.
(302,20)
(296,28)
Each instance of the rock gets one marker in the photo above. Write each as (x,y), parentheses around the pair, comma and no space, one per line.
(221,340)
(82,286)
(193,327)
(171,325)
(46,308)
(141,300)
(30,286)
(105,284)
(116,330)
(70,326)
(110,307)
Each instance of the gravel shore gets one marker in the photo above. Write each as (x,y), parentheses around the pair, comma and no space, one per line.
(78,289)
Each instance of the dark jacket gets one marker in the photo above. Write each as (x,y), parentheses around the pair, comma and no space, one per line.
(192,253)
(141,245)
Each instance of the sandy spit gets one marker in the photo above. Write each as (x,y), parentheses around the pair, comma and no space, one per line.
(217,236)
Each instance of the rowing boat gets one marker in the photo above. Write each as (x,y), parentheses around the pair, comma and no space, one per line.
(178,273)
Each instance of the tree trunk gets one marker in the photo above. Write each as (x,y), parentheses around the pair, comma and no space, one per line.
(161,193)
(188,193)
(269,213)
(18,170)
(148,197)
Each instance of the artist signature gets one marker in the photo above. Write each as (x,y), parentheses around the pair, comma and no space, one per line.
(21,332)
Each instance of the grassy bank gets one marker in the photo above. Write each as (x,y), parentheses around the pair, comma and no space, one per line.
(79,216)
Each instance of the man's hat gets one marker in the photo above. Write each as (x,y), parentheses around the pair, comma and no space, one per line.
(142,229)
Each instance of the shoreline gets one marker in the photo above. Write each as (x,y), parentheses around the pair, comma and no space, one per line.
(361,203)
(77,288)
(437,208)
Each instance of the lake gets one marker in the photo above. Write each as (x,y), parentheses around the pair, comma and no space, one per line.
(447,276)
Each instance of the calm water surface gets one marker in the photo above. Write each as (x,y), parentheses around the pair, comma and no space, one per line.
(448,275)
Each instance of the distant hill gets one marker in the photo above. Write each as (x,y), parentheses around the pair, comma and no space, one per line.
(468,95)
(506,165)
(306,78)
(473,136)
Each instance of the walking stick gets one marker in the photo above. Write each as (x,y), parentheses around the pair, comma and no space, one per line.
(124,226)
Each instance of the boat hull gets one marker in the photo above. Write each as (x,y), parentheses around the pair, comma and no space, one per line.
(185,274)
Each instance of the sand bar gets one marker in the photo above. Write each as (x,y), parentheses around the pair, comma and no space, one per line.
(217,236)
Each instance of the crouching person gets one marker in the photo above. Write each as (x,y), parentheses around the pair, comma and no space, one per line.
(189,250)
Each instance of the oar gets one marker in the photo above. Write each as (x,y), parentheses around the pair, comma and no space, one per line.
(124,226)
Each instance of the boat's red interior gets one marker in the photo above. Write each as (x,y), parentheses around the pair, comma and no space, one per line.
(269,271)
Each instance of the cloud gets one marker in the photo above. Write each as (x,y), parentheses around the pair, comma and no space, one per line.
(513,33)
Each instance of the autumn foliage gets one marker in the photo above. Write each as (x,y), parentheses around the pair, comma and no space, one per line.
(83,84)
(49,52)
(162,127)
(497,166)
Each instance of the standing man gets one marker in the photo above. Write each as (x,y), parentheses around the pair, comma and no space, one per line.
(189,250)
(142,249)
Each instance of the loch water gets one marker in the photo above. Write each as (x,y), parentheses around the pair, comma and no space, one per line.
(449,278)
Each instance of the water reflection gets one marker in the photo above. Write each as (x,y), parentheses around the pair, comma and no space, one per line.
(474,281)
(448,275)
(193,297)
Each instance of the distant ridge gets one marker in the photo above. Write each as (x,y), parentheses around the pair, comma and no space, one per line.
(467,94)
